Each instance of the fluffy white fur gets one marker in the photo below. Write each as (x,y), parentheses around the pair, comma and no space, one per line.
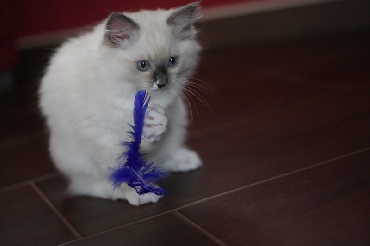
(88,90)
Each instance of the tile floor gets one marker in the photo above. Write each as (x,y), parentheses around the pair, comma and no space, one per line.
(285,138)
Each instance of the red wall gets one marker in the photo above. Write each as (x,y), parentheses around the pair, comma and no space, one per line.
(42,16)
(8,36)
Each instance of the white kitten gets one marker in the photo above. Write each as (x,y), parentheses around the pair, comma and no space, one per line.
(88,91)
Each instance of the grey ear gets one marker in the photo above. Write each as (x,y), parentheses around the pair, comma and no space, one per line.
(121,30)
(183,18)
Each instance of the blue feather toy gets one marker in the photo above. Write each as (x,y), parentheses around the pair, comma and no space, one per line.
(133,168)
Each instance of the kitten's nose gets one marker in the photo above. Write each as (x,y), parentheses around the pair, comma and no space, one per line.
(160,77)
(161,81)
(160,86)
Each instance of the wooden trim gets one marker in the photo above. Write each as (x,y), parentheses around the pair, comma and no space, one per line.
(286,23)
(247,8)
(257,22)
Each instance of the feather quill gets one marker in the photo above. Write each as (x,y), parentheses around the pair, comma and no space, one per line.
(133,168)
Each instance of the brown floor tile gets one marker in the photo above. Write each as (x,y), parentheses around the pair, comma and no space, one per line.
(24,162)
(19,112)
(27,220)
(163,230)
(92,215)
(344,72)
(279,127)
(280,107)
(339,63)
(245,99)
(324,205)
(266,145)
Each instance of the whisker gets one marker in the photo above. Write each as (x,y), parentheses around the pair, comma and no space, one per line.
(205,90)
(206,87)
(195,105)
(191,88)
(200,98)
(197,95)
(189,105)
(190,98)
(180,89)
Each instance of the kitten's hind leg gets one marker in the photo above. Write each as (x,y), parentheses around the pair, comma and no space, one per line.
(103,189)
(135,199)
(182,160)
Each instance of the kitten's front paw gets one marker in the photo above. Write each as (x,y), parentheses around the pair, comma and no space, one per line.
(155,123)
(135,199)
(183,160)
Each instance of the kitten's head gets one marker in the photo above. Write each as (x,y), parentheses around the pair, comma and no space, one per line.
(154,50)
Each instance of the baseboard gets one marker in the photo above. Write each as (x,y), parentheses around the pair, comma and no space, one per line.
(258,22)
(285,22)
(254,7)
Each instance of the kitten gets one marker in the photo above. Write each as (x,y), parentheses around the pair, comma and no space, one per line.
(88,90)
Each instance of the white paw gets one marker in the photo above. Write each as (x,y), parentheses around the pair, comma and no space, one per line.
(155,123)
(135,199)
(184,160)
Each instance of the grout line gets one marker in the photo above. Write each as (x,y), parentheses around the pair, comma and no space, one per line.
(196,226)
(27,182)
(68,242)
(171,211)
(229,192)
(56,210)
(273,178)
(131,223)
(17,141)
(175,210)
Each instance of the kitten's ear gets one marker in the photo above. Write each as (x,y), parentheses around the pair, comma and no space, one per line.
(183,18)
(121,30)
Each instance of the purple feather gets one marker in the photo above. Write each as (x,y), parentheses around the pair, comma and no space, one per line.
(135,171)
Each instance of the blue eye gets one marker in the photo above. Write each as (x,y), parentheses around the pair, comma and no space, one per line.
(172,62)
(143,65)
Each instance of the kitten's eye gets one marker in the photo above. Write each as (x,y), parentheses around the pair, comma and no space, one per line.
(143,65)
(172,62)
